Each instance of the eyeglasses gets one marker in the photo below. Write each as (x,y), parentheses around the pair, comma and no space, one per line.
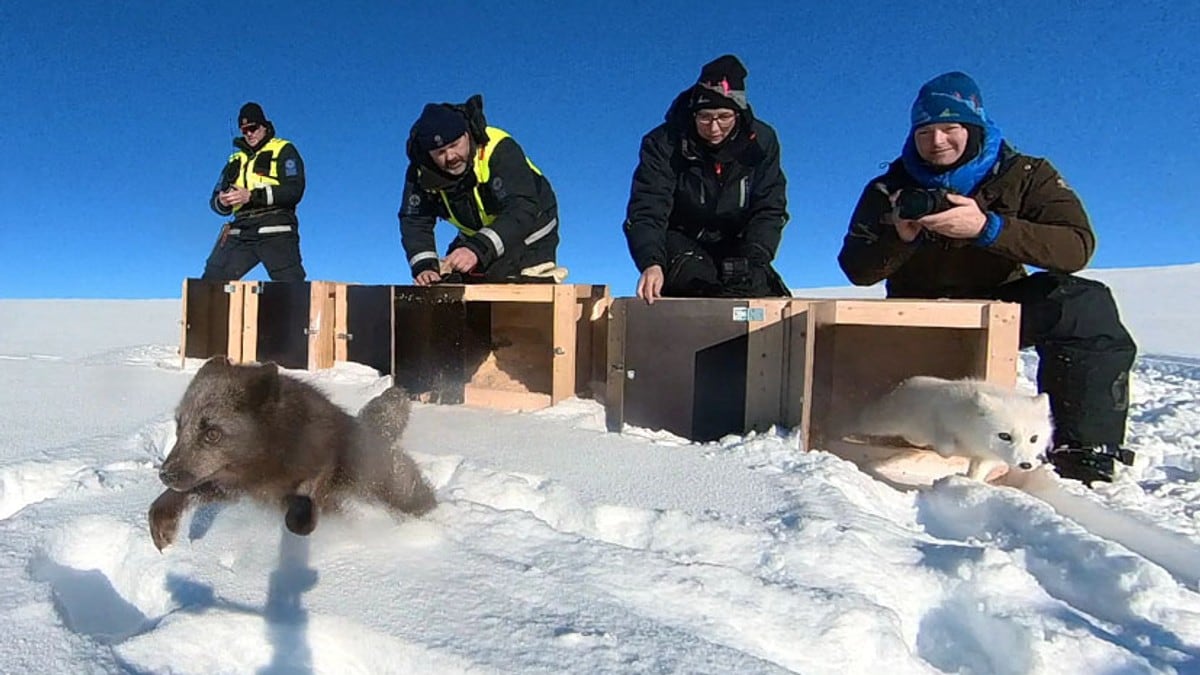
(723,119)
(251,128)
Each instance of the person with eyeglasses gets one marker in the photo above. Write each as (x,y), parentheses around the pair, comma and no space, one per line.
(960,214)
(260,186)
(478,178)
(709,199)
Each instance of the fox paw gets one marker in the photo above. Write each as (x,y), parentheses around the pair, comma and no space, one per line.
(301,517)
(164,523)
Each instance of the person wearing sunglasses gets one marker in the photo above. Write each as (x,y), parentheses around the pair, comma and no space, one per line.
(709,200)
(478,178)
(260,186)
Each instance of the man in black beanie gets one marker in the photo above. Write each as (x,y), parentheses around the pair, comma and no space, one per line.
(960,214)
(478,178)
(260,186)
(709,199)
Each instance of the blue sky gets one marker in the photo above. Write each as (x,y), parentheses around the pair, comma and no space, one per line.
(117,117)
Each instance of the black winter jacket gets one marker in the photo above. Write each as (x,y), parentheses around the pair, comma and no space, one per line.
(522,201)
(736,194)
(273,207)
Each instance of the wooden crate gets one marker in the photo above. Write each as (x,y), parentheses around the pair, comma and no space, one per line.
(211,322)
(860,349)
(290,323)
(512,347)
(703,368)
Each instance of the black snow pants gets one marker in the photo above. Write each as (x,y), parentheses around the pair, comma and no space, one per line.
(237,254)
(1084,351)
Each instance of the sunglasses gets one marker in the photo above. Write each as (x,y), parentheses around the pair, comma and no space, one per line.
(251,128)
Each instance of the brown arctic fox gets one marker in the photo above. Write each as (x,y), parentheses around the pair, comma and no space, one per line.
(251,431)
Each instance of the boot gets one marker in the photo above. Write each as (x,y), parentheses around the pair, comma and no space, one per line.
(1090,465)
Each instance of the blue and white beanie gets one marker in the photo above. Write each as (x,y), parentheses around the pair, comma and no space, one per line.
(949,98)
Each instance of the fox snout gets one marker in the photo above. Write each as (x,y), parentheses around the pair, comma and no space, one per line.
(174,474)
(174,478)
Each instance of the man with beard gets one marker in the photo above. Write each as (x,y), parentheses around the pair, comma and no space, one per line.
(478,178)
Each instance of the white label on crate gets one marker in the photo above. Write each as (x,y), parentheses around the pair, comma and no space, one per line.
(749,314)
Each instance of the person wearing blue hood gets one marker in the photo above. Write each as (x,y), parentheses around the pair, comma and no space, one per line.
(709,200)
(959,215)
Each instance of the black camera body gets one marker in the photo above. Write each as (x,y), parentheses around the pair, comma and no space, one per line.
(913,203)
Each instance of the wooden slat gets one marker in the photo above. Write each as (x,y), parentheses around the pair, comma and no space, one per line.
(820,314)
(1003,342)
(243,323)
(921,313)
(614,386)
(797,356)
(593,291)
(320,325)
(901,467)
(512,292)
(597,325)
(504,400)
(766,344)
(244,304)
(564,344)
(183,326)
(341,328)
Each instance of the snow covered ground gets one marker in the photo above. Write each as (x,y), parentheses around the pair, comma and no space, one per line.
(558,547)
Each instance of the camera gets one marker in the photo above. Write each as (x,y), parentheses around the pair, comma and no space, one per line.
(735,270)
(913,203)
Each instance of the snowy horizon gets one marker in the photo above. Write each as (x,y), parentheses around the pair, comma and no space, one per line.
(560,547)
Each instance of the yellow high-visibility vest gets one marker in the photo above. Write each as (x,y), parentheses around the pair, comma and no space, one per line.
(483,172)
(246,178)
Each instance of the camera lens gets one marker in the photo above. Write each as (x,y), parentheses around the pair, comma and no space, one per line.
(913,204)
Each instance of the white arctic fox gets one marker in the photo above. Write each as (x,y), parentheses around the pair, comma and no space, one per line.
(984,422)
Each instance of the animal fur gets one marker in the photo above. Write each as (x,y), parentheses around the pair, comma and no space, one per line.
(986,423)
(252,431)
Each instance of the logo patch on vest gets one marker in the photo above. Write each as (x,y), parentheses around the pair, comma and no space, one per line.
(290,168)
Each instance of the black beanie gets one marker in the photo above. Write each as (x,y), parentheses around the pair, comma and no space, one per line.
(722,84)
(251,113)
(439,125)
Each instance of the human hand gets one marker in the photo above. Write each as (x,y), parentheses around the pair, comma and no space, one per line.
(427,278)
(907,230)
(965,220)
(649,287)
(234,196)
(461,259)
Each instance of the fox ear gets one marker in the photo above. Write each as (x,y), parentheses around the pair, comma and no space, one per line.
(262,384)
(1043,401)
(214,364)
(985,400)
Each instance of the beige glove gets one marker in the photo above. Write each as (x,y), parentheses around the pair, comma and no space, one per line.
(546,270)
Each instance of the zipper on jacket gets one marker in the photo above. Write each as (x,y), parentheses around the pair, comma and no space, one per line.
(742,191)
